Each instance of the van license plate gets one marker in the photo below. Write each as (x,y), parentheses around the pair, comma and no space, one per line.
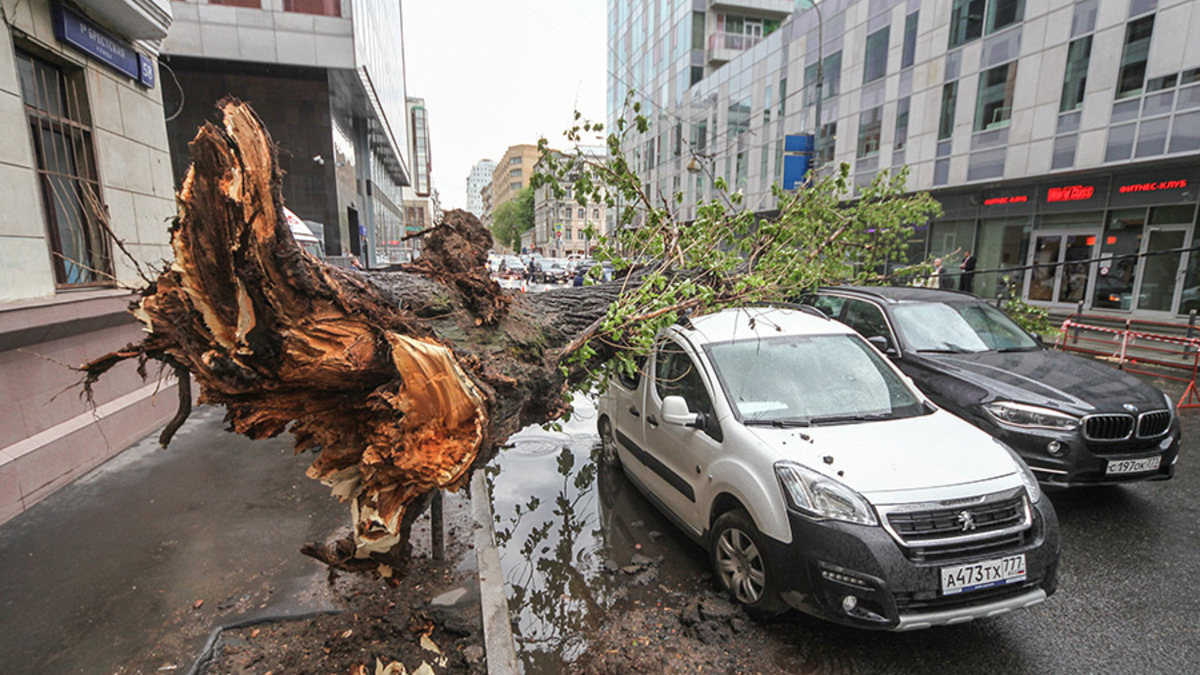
(975,576)
(1117,467)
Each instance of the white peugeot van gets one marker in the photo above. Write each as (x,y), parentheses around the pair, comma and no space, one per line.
(819,478)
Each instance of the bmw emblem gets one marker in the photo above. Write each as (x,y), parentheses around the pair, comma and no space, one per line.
(1131,407)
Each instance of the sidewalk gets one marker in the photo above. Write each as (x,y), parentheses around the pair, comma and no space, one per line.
(108,574)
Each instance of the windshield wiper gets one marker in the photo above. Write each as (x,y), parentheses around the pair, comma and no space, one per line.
(946,348)
(779,424)
(1005,350)
(858,417)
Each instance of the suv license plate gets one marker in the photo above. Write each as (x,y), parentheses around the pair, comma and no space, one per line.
(974,576)
(1117,467)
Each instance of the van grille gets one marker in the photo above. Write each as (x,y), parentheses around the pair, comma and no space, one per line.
(1000,523)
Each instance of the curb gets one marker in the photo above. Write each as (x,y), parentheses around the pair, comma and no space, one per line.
(497,630)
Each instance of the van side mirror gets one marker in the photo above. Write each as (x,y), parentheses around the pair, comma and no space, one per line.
(882,344)
(675,411)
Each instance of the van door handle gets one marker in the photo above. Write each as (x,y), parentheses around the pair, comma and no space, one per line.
(634,411)
(651,421)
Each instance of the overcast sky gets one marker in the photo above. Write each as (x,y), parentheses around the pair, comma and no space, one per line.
(495,74)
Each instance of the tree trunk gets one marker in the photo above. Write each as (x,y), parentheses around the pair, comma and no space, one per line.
(403,381)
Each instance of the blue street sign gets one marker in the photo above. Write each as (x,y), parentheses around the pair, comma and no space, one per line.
(101,45)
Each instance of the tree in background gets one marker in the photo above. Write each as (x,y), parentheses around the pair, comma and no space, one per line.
(512,218)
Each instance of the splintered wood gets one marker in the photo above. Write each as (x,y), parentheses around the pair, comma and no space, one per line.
(286,342)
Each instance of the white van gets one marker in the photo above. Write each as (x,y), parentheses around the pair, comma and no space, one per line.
(303,234)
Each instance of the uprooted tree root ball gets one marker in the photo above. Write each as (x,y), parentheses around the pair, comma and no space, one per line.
(402,381)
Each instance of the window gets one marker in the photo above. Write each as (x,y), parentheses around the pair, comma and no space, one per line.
(993,106)
(966,21)
(321,7)
(831,75)
(783,95)
(582,214)
(1133,59)
(909,55)
(867,319)
(238,3)
(595,214)
(516,185)
(742,170)
(767,105)
(676,375)
(949,101)
(825,145)
(875,64)
(1004,13)
(515,173)
(514,160)
(901,139)
(870,126)
(62,143)
(739,117)
(1075,79)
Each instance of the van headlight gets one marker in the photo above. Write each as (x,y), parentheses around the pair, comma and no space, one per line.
(821,496)
(1023,470)
(1024,415)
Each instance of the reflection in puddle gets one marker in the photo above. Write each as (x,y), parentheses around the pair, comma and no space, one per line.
(575,539)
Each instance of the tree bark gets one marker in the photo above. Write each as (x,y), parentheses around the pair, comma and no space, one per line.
(403,382)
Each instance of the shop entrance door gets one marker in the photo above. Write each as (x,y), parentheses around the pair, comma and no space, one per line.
(1159,272)
(1061,273)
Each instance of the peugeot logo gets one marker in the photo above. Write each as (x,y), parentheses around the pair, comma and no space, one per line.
(966,520)
(1131,407)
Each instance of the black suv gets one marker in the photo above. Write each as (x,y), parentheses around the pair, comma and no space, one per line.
(1073,420)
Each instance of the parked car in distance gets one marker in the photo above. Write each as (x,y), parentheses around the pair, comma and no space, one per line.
(1074,420)
(550,271)
(511,267)
(819,478)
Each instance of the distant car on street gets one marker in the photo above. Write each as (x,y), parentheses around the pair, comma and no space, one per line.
(819,478)
(511,267)
(1074,420)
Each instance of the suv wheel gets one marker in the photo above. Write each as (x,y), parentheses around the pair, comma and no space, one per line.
(740,564)
(608,444)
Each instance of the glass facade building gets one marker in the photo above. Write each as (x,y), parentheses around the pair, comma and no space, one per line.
(1041,128)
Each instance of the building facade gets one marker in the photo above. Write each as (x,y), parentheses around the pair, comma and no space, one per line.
(83,150)
(513,172)
(327,78)
(480,177)
(1060,136)
(420,203)
(562,227)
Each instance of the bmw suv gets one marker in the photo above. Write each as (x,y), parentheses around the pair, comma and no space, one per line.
(1074,420)
(819,478)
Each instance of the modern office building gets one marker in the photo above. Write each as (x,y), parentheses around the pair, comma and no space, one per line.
(1061,135)
(481,177)
(327,78)
(82,143)
(563,227)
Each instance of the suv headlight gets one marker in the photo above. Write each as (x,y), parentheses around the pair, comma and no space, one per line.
(1024,415)
(821,496)
(1027,477)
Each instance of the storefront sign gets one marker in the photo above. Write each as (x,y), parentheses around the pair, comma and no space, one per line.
(1070,193)
(87,37)
(1153,186)
(1002,201)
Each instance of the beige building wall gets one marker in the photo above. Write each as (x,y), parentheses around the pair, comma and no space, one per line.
(513,172)
(48,435)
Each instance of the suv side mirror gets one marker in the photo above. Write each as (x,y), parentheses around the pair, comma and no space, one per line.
(1038,338)
(675,411)
(882,344)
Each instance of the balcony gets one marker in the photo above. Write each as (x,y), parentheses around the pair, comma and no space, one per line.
(723,47)
(135,19)
(768,9)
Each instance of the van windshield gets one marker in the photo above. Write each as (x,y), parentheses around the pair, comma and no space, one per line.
(810,380)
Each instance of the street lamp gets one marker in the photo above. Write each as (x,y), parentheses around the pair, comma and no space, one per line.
(820,83)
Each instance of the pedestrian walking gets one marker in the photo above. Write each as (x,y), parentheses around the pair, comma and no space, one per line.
(966,282)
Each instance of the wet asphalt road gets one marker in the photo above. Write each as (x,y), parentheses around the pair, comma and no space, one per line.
(1128,598)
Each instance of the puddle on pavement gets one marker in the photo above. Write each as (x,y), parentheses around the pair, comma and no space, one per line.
(575,540)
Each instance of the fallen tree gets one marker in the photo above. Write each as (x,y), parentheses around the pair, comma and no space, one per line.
(403,382)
